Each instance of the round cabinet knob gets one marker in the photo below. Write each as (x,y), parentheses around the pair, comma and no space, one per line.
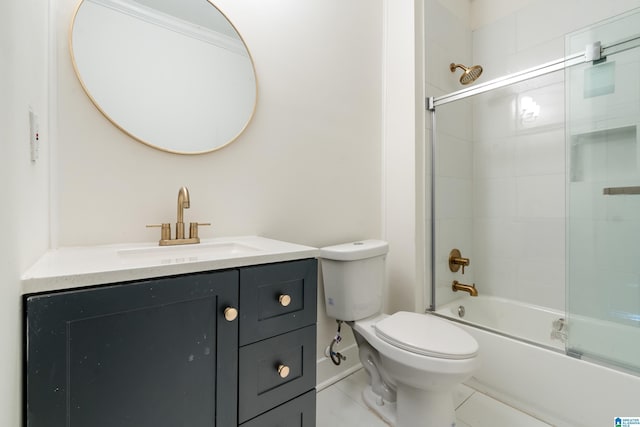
(230,314)
(283,371)
(284,300)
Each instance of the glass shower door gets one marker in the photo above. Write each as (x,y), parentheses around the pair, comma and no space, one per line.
(603,191)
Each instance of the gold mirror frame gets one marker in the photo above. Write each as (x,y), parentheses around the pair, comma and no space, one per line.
(169,112)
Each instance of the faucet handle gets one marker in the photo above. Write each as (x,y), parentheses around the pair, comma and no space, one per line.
(165,230)
(456,261)
(193,228)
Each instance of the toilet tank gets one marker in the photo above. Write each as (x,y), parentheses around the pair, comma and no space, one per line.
(353,277)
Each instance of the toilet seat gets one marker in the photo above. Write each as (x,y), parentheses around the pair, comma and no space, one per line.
(426,335)
(418,364)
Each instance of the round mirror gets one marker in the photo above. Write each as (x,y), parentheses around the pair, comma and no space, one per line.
(173,74)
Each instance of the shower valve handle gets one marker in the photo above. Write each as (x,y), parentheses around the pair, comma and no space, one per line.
(456,261)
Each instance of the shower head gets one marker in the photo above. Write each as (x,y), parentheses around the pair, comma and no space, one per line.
(470,73)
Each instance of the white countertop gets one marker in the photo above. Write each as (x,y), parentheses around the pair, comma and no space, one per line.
(74,267)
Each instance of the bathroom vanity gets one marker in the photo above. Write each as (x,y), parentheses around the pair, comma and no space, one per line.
(139,336)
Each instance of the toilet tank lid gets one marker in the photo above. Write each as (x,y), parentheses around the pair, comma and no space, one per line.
(355,250)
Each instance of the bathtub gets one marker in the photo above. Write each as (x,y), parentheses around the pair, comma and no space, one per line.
(523,363)
(530,323)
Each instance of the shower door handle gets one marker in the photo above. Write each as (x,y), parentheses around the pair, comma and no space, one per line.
(618,191)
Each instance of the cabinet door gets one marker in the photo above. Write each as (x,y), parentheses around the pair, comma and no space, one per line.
(155,353)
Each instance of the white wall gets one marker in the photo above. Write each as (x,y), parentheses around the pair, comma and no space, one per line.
(403,147)
(24,190)
(9,266)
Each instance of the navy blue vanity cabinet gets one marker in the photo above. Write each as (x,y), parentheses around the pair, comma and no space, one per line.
(166,352)
(277,366)
(152,353)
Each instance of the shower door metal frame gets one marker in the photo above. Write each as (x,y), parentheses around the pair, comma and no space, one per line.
(593,53)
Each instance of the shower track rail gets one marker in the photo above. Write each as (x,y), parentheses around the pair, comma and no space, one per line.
(594,52)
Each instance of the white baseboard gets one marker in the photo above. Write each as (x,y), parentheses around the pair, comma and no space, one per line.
(327,373)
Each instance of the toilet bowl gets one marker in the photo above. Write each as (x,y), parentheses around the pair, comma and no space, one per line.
(414,361)
(424,358)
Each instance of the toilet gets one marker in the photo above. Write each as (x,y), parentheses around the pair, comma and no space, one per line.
(414,361)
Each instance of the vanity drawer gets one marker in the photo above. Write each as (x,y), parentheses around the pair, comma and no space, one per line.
(277,298)
(299,412)
(263,365)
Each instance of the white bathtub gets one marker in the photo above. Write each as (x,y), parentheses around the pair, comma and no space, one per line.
(532,323)
(532,372)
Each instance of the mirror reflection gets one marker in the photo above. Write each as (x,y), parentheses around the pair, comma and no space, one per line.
(173,74)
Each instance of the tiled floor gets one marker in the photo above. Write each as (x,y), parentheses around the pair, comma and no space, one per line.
(341,405)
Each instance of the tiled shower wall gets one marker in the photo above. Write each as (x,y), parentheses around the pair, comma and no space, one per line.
(500,173)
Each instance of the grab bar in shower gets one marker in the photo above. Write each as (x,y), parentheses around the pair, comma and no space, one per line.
(617,191)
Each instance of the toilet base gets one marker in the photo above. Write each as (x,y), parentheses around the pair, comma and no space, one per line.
(383,408)
(414,407)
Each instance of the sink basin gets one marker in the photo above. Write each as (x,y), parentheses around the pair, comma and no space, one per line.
(189,253)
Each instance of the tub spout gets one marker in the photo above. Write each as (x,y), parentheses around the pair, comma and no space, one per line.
(457,286)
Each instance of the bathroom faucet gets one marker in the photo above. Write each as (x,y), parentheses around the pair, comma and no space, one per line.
(457,286)
(184,202)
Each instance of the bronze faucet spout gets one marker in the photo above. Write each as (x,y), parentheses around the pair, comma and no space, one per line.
(183,203)
(457,286)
